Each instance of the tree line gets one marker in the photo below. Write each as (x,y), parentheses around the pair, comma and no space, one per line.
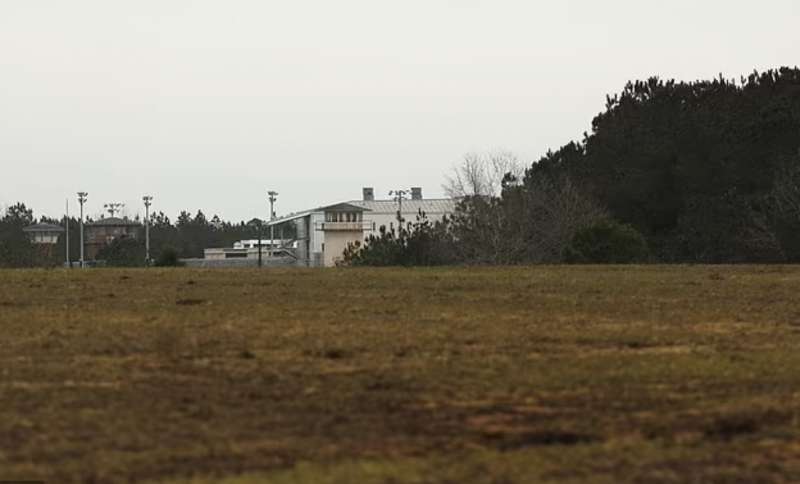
(673,172)
(186,237)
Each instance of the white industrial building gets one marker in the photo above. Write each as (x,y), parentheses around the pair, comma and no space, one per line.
(247,249)
(323,233)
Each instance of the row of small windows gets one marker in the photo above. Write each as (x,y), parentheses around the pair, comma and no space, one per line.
(343,216)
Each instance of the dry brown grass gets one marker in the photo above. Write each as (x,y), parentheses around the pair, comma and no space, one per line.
(542,374)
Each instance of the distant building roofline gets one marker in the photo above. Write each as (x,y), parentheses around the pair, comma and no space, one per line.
(43,227)
(114,222)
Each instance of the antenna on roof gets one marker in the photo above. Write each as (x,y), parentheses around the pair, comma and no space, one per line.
(399,196)
(113,208)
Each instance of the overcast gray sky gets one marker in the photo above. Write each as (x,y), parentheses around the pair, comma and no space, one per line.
(208,104)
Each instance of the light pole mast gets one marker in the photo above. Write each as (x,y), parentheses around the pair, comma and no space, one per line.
(260,242)
(66,239)
(82,197)
(399,195)
(273,195)
(148,200)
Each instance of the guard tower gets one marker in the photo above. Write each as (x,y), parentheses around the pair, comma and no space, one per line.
(343,224)
(44,234)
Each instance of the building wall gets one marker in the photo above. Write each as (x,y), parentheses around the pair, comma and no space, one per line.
(335,243)
(316,247)
(389,220)
(99,236)
(317,240)
(384,213)
(214,254)
(233,263)
(317,236)
(44,238)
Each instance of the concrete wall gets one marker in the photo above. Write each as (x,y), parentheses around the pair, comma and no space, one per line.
(238,263)
(335,243)
(389,220)
(317,236)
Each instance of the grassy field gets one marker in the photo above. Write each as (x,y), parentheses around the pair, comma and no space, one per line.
(542,374)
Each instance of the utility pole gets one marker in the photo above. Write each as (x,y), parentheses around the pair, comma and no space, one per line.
(399,195)
(273,195)
(82,197)
(148,200)
(66,240)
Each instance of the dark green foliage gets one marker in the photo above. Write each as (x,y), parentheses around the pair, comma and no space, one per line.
(16,250)
(187,238)
(123,252)
(693,166)
(418,244)
(190,235)
(168,258)
(607,242)
(706,172)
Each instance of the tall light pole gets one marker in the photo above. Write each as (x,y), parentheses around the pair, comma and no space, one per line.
(148,200)
(66,239)
(399,195)
(273,195)
(82,197)
(260,242)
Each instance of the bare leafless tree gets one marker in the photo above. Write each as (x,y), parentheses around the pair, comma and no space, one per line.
(554,210)
(533,223)
(482,174)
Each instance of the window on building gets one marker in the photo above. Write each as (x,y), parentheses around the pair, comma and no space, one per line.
(236,255)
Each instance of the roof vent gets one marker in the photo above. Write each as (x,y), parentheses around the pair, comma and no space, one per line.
(416,193)
(369,194)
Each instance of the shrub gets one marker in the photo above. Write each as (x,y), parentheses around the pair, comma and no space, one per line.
(168,258)
(607,242)
(418,244)
(123,252)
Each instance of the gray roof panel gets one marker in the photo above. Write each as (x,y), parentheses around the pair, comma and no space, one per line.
(43,228)
(437,205)
(114,222)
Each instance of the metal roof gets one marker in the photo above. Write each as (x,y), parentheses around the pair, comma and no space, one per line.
(114,222)
(342,207)
(336,207)
(433,205)
(289,218)
(43,227)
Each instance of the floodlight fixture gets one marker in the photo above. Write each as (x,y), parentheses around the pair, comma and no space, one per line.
(399,195)
(273,196)
(113,208)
